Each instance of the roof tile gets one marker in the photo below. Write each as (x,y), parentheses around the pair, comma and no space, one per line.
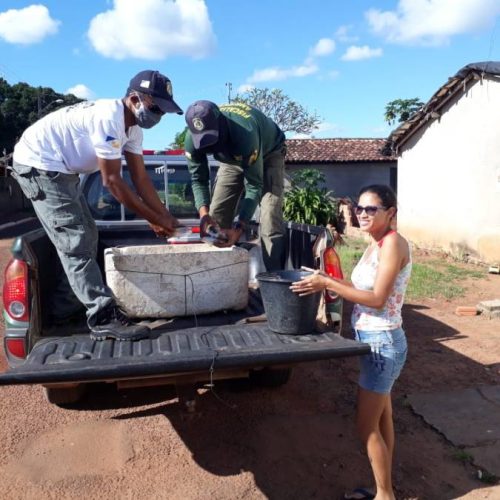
(336,150)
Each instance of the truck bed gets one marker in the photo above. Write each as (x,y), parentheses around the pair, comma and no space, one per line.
(203,345)
(197,349)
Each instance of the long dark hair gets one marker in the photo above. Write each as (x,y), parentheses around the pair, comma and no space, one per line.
(384,192)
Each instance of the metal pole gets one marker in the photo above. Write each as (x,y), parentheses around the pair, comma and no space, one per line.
(229,86)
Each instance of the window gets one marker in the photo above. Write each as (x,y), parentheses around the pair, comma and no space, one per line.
(176,193)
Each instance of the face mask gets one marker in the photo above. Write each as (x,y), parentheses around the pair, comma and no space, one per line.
(146,118)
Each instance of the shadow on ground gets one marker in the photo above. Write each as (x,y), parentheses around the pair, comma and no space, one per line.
(299,441)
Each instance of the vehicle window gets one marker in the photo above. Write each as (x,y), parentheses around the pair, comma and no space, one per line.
(157,176)
(102,204)
(180,192)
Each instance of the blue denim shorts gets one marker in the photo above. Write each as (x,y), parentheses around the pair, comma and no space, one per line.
(380,369)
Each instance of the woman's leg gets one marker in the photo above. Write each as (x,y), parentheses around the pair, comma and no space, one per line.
(387,429)
(371,407)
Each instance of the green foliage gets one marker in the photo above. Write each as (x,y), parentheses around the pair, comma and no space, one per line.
(432,279)
(21,105)
(306,202)
(401,109)
(287,114)
(179,139)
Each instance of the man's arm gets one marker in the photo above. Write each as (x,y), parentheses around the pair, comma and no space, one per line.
(152,210)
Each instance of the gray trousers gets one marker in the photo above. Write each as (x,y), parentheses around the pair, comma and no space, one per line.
(229,187)
(65,216)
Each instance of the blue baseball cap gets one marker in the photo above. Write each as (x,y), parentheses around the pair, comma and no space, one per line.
(158,86)
(202,118)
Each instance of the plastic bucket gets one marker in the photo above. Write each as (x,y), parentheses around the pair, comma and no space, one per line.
(286,311)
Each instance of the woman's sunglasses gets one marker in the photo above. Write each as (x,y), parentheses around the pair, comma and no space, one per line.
(370,210)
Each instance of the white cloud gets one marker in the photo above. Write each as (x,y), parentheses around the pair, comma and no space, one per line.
(27,26)
(153,30)
(276,73)
(246,87)
(80,90)
(432,22)
(356,53)
(323,47)
(342,34)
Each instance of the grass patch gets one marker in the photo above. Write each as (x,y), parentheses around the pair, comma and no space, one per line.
(463,456)
(430,279)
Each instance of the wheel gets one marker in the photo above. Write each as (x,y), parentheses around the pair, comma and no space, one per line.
(62,396)
(270,377)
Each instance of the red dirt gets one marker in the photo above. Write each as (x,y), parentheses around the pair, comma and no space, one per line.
(296,442)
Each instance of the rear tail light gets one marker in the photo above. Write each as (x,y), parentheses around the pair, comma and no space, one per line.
(332,267)
(16,347)
(15,290)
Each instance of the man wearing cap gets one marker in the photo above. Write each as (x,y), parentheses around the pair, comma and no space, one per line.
(251,150)
(84,138)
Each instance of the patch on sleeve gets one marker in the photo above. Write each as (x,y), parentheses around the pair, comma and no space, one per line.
(253,157)
(113,141)
(188,155)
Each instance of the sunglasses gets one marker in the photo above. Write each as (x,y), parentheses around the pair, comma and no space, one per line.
(154,108)
(369,209)
(148,101)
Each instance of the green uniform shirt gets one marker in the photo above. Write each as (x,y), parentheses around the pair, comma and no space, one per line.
(252,136)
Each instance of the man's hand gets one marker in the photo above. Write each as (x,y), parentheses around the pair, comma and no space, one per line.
(233,236)
(207,222)
(167,227)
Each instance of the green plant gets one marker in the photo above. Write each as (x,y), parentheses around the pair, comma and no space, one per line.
(308,203)
(462,456)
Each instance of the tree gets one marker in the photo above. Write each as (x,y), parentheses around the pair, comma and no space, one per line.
(179,140)
(401,110)
(306,202)
(21,105)
(289,115)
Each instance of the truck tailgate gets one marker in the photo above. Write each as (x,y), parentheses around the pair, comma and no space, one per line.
(197,349)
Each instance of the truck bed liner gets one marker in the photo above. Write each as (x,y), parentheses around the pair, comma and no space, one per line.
(197,349)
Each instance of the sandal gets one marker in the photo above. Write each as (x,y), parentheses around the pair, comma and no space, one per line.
(359,494)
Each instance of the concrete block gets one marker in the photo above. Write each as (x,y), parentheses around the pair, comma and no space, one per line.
(163,281)
(490,308)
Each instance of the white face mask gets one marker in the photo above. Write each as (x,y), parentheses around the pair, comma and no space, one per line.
(145,117)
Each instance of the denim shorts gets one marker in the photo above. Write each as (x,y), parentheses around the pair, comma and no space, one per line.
(380,369)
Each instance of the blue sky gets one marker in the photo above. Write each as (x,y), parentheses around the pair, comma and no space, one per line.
(344,60)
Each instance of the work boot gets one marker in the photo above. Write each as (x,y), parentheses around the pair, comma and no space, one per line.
(113,323)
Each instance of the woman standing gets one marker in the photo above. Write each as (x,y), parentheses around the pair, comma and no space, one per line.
(378,286)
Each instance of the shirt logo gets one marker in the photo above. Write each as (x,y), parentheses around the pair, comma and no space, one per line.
(198,124)
(113,141)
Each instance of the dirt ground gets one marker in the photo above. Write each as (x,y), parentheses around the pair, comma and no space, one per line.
(296,442)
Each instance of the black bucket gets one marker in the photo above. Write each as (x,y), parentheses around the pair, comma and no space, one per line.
(286,311)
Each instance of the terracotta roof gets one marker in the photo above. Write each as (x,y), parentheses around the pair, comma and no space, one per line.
(336,150)
(454,87)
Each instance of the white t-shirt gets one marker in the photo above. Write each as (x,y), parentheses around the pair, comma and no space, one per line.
(70,139)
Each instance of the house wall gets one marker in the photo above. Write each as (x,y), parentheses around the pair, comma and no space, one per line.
(449,177)
(346,179)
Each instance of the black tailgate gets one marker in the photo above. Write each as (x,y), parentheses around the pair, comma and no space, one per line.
(197,349)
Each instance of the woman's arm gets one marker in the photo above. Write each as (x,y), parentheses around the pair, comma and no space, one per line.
(391,257)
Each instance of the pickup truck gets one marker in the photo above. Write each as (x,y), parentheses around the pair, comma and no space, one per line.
(184,351)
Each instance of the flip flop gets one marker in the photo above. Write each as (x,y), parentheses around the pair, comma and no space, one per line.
(359,494)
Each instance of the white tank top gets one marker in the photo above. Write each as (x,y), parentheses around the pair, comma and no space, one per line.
(363,278)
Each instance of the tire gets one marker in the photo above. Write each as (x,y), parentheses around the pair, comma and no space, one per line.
(62,396)
(270,377)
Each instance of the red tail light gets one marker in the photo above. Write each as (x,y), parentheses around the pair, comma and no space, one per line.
(16,347)
(332,267)
(195,229)
(15,290)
